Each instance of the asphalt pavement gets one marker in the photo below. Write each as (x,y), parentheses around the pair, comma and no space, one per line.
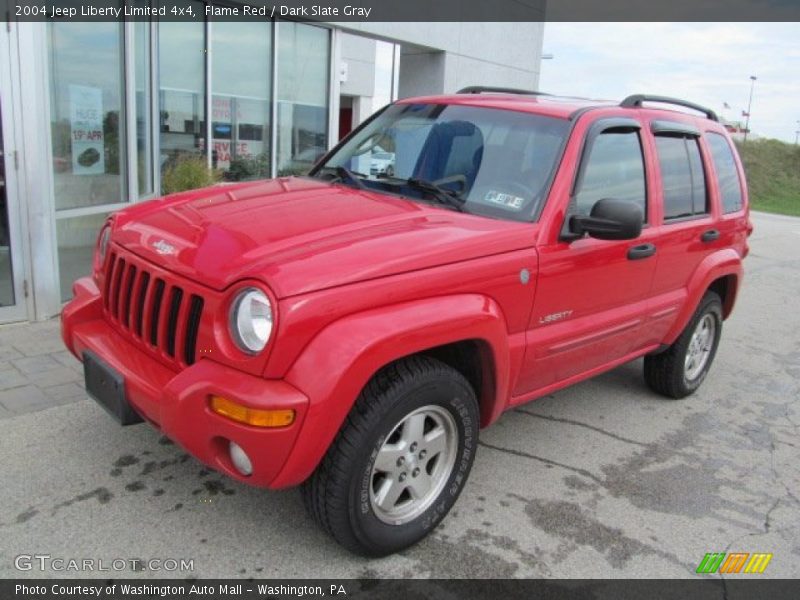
(604,479)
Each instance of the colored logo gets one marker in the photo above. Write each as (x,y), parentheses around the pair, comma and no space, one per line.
(735,562)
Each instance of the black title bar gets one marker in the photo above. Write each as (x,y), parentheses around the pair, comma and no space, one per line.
(403,589)
(401,10)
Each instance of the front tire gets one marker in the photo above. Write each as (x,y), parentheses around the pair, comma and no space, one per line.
(400,461)
(680,369)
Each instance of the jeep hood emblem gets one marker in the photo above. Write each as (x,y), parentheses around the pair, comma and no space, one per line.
(163,247)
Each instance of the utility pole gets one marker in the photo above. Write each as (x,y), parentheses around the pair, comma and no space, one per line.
(797,134)
(749,106)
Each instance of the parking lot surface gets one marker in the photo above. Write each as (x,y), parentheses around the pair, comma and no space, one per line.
(604,479)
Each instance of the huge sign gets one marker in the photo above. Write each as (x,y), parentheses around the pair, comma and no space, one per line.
(86,121)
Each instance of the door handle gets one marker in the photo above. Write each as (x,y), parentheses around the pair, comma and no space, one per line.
(712,235)
(641,251)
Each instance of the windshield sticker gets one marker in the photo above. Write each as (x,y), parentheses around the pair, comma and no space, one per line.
(507,200)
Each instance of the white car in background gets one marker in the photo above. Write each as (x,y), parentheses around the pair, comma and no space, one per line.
(382,163)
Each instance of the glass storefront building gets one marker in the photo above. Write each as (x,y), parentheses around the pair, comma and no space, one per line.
(93,115)
(250,99)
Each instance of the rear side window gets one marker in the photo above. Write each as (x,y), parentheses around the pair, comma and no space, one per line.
(682,176)
(730,188)
(614,169)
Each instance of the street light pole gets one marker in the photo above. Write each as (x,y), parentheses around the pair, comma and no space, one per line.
(749,106)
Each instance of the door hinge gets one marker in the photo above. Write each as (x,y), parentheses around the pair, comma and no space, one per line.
(16,160)
(25,287)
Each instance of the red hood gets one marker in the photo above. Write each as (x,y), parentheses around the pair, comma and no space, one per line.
(301,235)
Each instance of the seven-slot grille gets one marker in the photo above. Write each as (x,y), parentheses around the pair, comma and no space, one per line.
(155,311)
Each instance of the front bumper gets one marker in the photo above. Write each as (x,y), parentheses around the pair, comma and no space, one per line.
(177,402)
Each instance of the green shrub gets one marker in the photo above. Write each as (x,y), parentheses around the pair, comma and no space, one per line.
(293,171)
(246,168)
(188,173)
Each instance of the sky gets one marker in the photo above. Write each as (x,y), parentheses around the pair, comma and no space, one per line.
(707,63)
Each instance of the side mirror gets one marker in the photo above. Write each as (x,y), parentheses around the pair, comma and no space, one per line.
(609,220)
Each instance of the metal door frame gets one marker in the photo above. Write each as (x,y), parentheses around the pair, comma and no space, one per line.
(13,156)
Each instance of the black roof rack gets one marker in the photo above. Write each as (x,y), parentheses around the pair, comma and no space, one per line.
(480,89)
(635,101)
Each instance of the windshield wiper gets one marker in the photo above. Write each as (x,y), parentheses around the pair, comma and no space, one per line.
(343,174)
(441,194)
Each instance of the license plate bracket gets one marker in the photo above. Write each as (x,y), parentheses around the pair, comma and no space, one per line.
(106,386)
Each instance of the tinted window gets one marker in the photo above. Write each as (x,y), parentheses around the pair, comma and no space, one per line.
(730,189)
(682,176)
(614,169)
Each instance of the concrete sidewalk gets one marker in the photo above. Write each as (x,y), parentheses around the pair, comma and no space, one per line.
(36,371)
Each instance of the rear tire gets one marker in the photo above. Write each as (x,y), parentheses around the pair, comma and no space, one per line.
(680,369)
(400,460)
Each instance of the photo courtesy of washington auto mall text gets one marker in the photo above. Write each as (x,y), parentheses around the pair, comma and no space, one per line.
(172,590)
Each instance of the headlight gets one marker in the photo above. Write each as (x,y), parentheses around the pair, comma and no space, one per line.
(102,243)
(251,320)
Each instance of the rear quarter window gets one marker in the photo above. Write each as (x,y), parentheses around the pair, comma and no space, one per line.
(730,187)
(682,176)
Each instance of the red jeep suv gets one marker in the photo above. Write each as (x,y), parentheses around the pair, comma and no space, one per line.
(455,256)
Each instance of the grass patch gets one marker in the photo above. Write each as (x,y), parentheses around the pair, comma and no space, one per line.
(773,175)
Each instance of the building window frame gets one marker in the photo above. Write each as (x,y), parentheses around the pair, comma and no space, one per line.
(273,107)
(209,142)
(155,110)
(129,86)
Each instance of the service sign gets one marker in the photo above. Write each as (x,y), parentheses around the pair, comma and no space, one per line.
(228,113)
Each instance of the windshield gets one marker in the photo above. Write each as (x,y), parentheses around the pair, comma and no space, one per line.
(480,160)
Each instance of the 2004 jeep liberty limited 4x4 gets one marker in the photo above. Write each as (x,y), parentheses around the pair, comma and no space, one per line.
(352,329)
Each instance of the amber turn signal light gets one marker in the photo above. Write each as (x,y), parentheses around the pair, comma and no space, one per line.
(252,416)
